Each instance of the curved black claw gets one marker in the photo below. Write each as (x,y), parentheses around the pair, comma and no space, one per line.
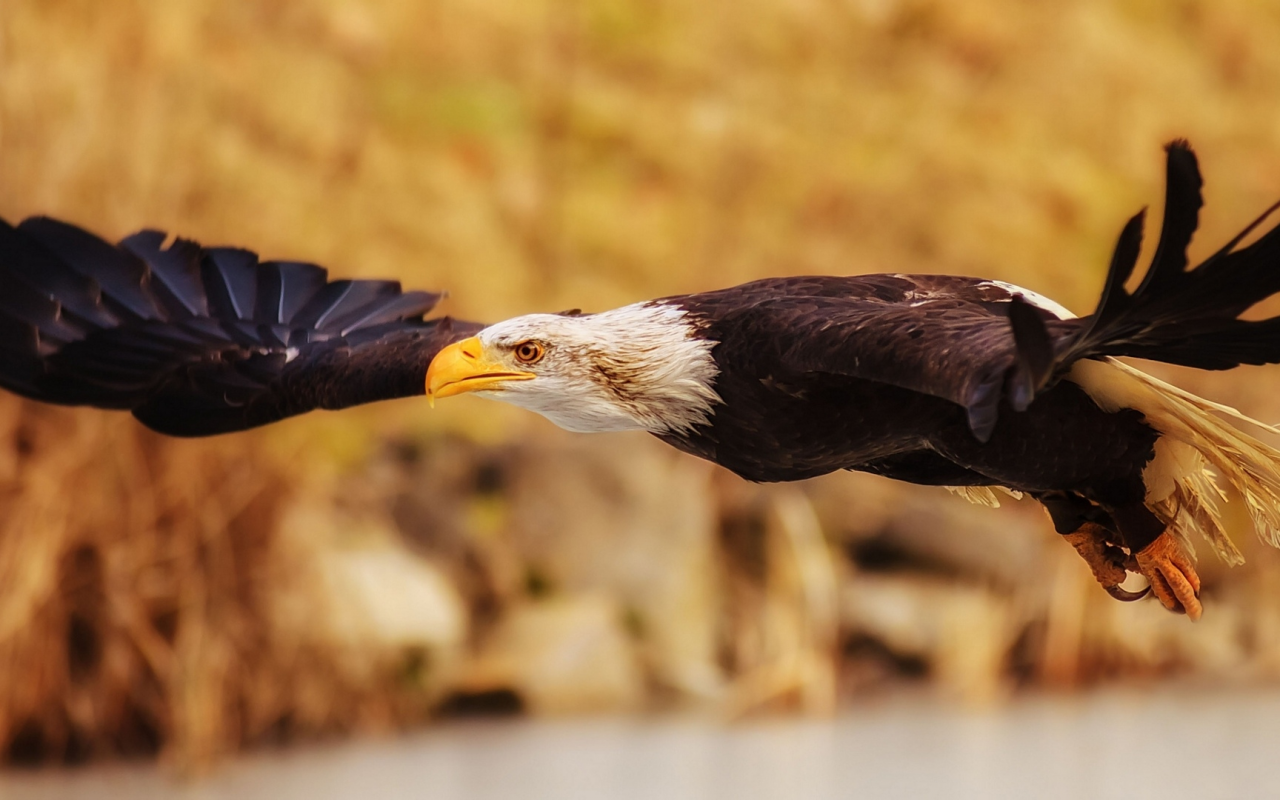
(1125,596)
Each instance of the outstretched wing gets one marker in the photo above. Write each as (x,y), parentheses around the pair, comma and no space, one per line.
(1180,315)
(198,341)
(970,341)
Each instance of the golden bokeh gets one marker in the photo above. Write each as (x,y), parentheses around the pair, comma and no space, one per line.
(536,156)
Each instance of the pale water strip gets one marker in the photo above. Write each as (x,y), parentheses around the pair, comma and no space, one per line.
(1132,745)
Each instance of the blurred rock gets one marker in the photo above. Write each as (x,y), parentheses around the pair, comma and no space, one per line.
(569,654)
(385,598)
(448,497)
(627,517)
(962,633)
(360,593)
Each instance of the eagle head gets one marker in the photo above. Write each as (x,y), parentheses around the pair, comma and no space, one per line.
(639,367)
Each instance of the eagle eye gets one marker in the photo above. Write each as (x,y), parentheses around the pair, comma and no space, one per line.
(529,352)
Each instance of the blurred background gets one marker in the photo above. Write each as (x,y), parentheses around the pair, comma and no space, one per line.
(391,565)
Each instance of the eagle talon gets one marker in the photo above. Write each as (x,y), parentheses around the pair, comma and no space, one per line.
(1104,559)
(1126,596)
(1110,565)
(1167,567)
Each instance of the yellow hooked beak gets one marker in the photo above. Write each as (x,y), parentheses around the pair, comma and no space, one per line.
(464,367)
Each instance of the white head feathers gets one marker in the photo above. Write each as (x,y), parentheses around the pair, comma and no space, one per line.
(639,367)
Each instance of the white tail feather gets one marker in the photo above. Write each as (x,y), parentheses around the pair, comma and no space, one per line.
(1181,491)
(983,495)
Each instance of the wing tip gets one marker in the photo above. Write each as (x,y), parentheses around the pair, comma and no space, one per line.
(1182,162)
(1035,354)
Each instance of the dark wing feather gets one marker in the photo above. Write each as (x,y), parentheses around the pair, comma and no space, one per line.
(1182,316)
(198,341)
(1035,353)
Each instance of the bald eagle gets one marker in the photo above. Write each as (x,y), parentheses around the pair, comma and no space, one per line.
(967,383)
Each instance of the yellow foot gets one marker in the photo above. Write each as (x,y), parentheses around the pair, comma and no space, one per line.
(1168,568)
(1105,560)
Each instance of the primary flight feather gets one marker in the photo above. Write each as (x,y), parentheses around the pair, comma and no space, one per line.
(938,380)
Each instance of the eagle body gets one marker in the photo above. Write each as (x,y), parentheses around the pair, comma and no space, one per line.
(781,418)
(937,380)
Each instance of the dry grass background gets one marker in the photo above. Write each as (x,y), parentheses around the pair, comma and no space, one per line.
(358,571)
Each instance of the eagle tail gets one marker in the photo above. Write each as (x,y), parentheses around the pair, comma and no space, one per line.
(1179,315)
(1182,490)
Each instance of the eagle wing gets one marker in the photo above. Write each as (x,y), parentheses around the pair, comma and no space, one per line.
(1180,314)
(198,341)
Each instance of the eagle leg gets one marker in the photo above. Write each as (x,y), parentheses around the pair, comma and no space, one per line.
(1168,568)
(1105,560)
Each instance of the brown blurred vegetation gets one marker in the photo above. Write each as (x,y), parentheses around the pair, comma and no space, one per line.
(365,570)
